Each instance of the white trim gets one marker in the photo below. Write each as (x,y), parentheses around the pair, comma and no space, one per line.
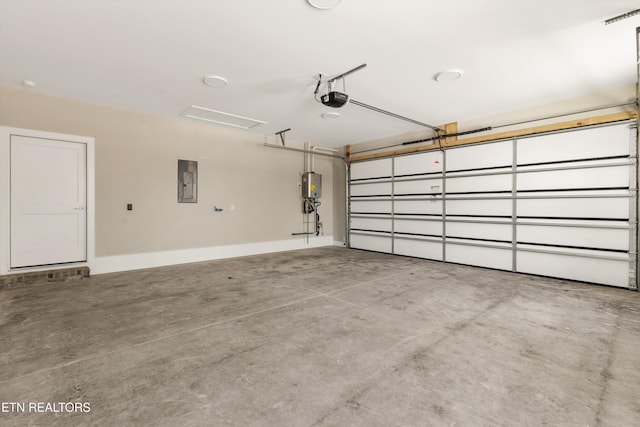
(111,264)
(5,141)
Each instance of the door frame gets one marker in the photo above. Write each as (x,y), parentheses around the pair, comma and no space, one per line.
(5,196)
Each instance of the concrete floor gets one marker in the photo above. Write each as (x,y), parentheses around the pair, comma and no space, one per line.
(322,337)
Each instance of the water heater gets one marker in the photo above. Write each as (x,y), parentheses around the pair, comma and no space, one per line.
(311,185)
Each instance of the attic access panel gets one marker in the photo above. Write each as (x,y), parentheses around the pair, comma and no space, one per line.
(221,118)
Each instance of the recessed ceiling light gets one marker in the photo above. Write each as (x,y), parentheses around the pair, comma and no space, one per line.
(324,4)
(448,75)
(330,115)
(215,81)
(29,84)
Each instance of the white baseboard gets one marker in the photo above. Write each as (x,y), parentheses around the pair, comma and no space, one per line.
(111,264)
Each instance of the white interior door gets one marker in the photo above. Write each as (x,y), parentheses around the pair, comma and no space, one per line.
(48,195)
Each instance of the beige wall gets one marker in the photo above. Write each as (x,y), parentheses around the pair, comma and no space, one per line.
(136,162)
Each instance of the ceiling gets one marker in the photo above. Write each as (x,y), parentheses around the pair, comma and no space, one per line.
(152,55)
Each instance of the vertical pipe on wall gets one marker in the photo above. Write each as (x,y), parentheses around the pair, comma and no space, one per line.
(315,149)
(305,216)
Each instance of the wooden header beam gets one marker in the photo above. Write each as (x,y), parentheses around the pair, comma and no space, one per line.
(452,142)
(450,128)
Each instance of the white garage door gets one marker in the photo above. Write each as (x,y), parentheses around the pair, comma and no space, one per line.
(560,204)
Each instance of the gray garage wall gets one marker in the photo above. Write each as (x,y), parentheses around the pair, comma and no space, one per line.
(136,162)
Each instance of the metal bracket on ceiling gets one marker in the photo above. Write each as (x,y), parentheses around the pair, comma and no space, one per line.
(281,135)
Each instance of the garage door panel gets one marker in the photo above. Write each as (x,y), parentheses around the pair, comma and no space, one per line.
(426,186)
(575,267)
(476,207)
(418,164)
(489,183)
(428,207)
(610,208)
(497,258)
(371,242)
(496,232)
(471,157)
(584,236)
(579,144)
(371,206)
(609,177)
(371,169)
(413,226)
(377,224)
(418,248)
(371,189)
